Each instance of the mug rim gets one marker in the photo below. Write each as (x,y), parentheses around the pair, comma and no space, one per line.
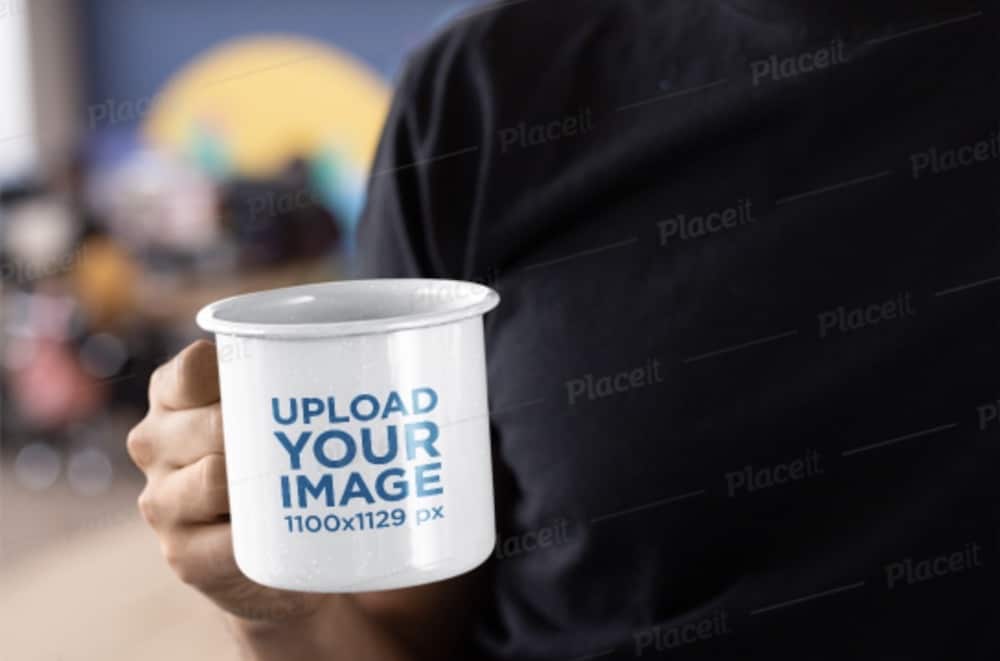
(476,300)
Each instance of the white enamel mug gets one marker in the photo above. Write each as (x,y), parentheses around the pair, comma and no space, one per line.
(356,432)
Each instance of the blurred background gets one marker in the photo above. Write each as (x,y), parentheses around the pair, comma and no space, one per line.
(155,156)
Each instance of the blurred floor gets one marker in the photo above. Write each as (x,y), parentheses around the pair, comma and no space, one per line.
(82,580)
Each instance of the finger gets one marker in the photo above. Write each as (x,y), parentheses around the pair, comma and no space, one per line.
(194,494)
(202,555)
(140,445)
(174,439)
(189,380)
(185,436)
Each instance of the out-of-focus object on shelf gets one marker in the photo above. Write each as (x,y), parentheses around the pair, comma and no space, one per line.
(150,200)
(251,106)
(48,384)
(38,237)
(106,277)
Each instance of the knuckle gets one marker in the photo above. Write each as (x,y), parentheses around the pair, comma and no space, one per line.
(139,446)
(147,507)
(156,383)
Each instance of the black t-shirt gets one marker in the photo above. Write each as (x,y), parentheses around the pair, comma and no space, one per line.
(745,375)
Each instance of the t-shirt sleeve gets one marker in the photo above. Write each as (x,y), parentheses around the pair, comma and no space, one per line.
(421,194)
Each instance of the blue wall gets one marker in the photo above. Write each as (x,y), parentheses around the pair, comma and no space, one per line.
(133,46)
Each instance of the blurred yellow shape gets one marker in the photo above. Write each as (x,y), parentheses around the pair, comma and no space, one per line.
(267,100)
(105,277)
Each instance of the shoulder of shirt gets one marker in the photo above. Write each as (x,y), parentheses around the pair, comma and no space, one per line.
(515,34)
